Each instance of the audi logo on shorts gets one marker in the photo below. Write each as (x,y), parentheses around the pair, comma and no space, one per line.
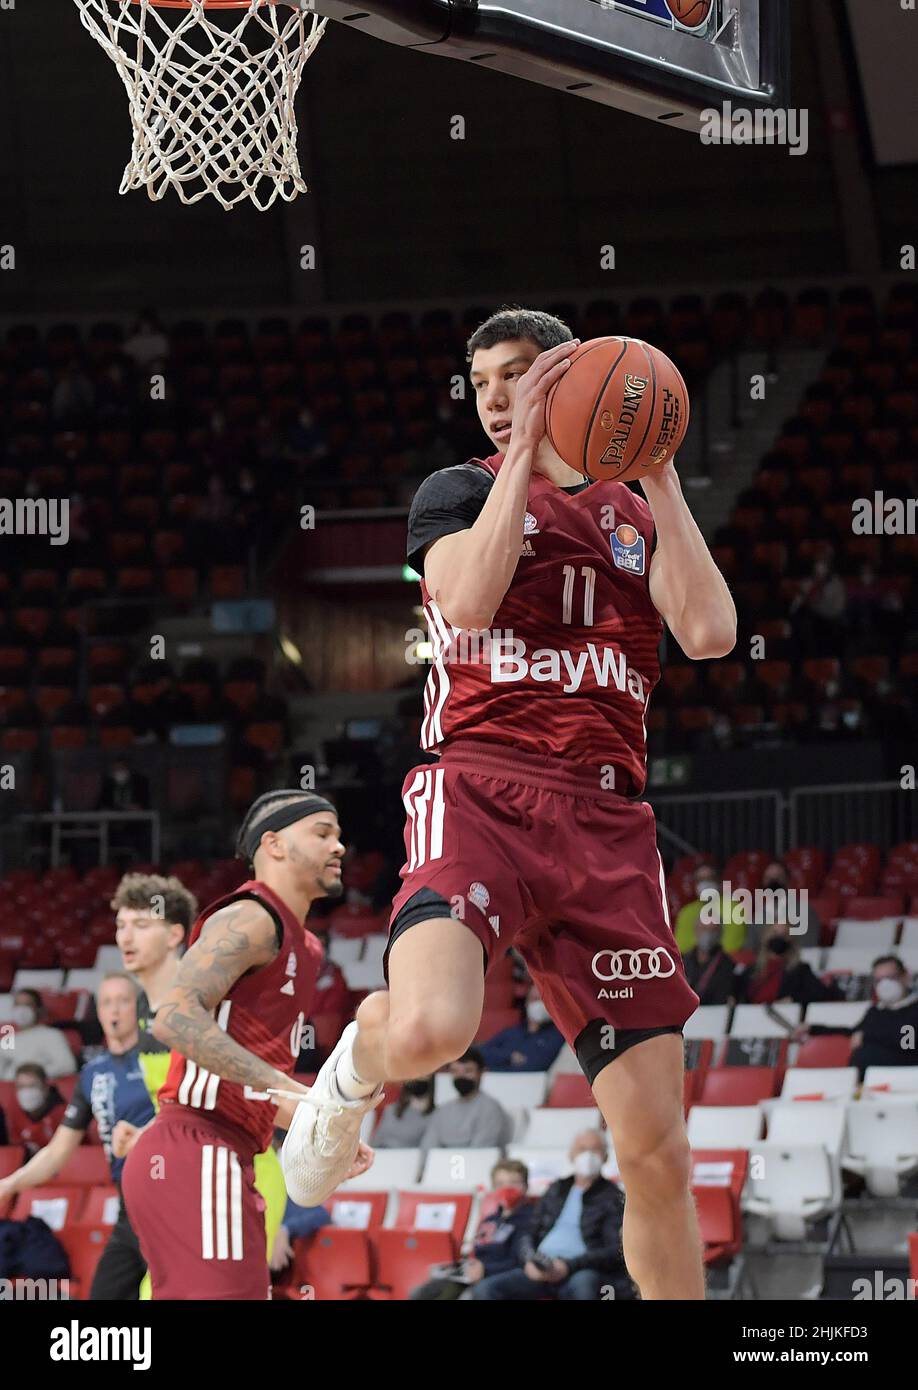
(645,963)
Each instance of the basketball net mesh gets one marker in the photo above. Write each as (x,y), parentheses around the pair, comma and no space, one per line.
(211,103)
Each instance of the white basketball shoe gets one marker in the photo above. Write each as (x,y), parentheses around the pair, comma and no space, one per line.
(322,1140)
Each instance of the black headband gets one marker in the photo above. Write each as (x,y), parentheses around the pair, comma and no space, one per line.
(307,805)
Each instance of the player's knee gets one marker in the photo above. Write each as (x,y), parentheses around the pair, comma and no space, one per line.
(419,1042)
(657,1168)
(373,1011)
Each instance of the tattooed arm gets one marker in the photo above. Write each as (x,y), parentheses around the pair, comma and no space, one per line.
(237,938)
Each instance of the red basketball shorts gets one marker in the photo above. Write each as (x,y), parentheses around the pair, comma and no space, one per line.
(528,852)
(190,1195)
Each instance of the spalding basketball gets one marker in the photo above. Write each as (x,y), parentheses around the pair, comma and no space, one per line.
(620,410)
(691,14)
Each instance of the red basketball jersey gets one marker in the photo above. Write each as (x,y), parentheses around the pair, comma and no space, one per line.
(265,1012)
(567,668)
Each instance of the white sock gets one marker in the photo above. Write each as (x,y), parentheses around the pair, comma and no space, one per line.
(350,1084)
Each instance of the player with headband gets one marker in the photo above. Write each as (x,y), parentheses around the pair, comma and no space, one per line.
(234,1019)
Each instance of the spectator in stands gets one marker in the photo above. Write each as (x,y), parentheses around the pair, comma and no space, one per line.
(779,975)
(298,1223)
(574,1247)
(110,1088)
(806,932)
(35,1112)
(474,1120)
(148,345)
(331,992)
(885,1036)
(497,1246)
(531,1045)
(73,398)
(718,908)
(124,790)
(34,1041)
(403,1124)
(708,969)
(818,609)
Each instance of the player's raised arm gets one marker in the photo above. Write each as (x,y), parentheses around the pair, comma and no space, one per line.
(238,938)
(686,587)
(468,573)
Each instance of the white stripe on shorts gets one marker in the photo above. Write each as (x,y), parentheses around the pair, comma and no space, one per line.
(207,1202)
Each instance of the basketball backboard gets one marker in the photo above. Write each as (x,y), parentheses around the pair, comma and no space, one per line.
(631,54)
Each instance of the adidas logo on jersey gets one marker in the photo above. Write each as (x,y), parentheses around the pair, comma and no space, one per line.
(287,988)
(527,548)
(495,923)
(291,965)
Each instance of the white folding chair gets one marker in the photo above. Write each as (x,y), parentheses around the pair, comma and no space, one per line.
(882,1143)
(881,1083)
(790,1185)
(555,1127)
(461,1169)
(851,933)
(391,1168)
(709,1021)
(819,1083)
(38,979)
(724,1126)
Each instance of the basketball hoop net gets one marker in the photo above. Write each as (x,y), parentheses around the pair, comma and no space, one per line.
(211,104)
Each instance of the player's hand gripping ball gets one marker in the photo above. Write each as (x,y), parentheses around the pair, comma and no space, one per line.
(619,412)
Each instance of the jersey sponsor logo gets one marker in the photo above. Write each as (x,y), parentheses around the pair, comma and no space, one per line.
(627,549)
(510,662)
(479,895)
(616,993)
(644,963)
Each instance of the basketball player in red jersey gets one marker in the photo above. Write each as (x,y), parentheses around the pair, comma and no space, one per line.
(546,596)
(234,1018)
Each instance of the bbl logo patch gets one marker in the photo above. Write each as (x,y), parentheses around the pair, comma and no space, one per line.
(627,548)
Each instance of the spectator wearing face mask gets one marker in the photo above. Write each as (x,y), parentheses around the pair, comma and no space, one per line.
(708,969)
(804,932)
(717,909)
(35,1112)
(573,1250)
(531,1045)
(779,975)
(472,1121)
(404,1123)
(34,1041)
(497,1246)
(880,1039)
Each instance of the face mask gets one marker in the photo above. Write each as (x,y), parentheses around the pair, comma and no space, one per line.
(707,940)
(587,1164)
(779,946)
(888,990)
(465,1085)
(23,1015)
(415,1088)
(536,1011)
(30,1097)
(509,1197)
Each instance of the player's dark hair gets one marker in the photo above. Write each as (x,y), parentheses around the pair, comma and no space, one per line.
(512,322)
(260,811)
(137,891)
(474,1055)
(890,960)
